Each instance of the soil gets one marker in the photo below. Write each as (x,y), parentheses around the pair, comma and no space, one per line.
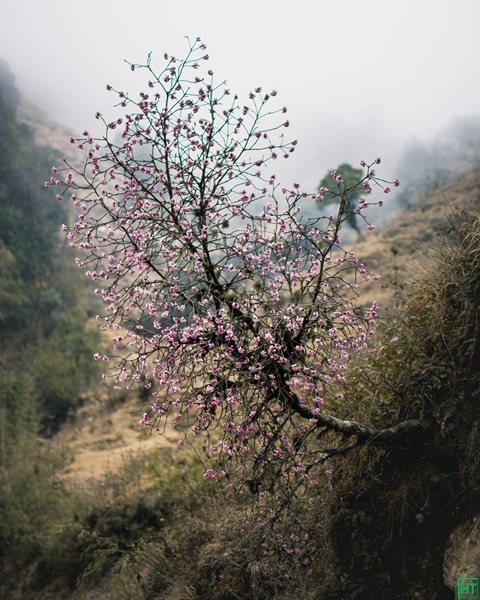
(103,439)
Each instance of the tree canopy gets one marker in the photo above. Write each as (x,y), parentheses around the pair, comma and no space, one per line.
(335,183)
(236,311)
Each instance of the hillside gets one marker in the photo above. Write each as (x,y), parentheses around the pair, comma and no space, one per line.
(118,513)
(101,438)
(409,494)
(401,251)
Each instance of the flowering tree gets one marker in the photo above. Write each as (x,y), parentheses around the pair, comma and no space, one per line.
(238,314)
(350,176)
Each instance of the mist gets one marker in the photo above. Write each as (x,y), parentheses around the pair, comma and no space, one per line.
(360,80)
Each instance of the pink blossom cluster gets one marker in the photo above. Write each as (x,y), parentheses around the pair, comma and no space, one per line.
(237,314)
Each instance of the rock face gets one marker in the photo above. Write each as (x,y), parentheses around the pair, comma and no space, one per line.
(462,552)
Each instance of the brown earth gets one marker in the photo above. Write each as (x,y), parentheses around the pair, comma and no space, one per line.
(104,438)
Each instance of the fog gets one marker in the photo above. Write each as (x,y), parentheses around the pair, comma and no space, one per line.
(360,79)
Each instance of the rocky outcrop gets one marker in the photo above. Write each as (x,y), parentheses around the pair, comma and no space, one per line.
(462,552)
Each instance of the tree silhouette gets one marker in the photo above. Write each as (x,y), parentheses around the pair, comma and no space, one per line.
(238,312)
(349,178)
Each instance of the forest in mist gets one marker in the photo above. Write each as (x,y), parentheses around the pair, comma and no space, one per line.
(45,348)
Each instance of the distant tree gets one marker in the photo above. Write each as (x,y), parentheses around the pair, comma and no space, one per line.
(241,311)
(334,185)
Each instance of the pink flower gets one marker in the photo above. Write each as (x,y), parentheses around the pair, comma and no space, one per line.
(214,294)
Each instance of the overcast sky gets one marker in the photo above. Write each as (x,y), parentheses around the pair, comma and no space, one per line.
(360,78)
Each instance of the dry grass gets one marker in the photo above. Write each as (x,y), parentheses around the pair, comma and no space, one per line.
(402,253)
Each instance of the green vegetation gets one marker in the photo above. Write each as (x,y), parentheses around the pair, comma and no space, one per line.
(350,177)
(45,350)
(42,300)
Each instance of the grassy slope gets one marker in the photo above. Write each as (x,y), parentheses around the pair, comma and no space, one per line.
(158,537)
(102,437)
(410,495)
(412,236)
